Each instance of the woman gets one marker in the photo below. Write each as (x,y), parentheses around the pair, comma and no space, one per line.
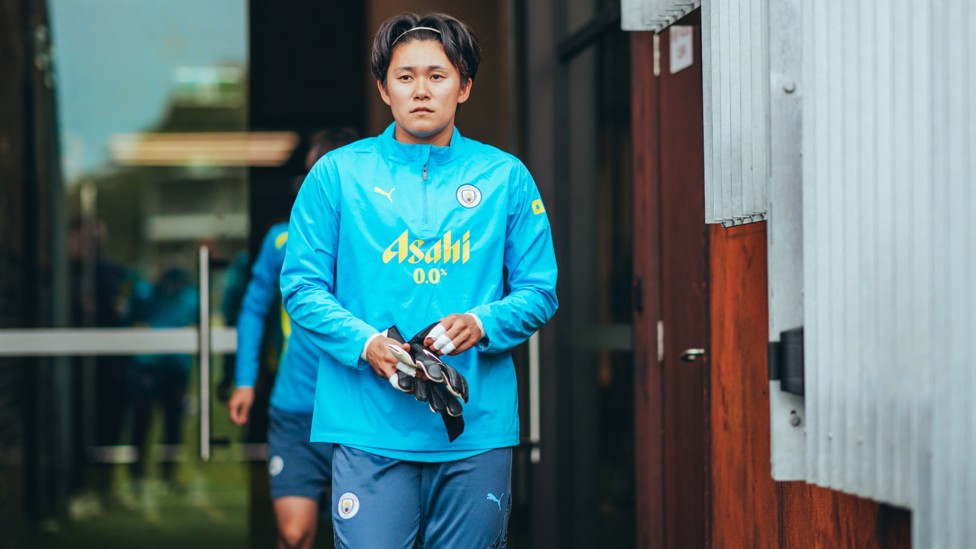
(414,227)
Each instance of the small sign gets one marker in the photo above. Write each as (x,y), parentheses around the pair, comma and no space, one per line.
(682,47)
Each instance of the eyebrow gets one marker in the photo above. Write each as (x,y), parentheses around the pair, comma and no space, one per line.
(429,67)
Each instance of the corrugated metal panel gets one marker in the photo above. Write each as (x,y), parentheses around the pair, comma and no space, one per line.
(889,138)
(785,228)
(952,275)
(855,270)
(653,15)
(735,65)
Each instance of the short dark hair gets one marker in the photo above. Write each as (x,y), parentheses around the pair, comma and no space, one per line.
(459,41)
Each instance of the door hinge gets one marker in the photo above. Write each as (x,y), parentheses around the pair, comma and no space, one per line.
(786,361)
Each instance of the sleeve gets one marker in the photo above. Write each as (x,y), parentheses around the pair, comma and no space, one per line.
(259,297)
(308,275)
(530,262)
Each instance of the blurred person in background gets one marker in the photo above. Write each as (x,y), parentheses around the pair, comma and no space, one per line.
(100,292)
(161,380)
(300,471)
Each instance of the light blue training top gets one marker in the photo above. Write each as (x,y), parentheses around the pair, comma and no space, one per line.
(383,234)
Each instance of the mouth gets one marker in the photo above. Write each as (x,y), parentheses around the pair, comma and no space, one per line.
(421,110)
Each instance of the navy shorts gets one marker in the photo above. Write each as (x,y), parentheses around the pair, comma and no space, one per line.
(296,466)
(383,502)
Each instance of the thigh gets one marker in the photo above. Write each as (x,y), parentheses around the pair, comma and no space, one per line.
(467,502)
(375,500)
(297,467)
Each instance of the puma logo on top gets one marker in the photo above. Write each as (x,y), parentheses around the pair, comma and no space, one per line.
(389,195)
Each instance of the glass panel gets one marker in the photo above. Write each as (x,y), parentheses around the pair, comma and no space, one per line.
(147,94)
(580,12)
(152,101)
(597,296)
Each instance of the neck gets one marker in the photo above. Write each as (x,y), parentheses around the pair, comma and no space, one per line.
(440,138)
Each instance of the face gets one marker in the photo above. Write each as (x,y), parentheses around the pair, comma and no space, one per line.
(423,89)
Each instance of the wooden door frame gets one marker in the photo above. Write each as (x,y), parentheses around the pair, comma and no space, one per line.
(669,397)
(648,414)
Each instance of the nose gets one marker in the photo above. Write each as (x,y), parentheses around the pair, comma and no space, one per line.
(421,89)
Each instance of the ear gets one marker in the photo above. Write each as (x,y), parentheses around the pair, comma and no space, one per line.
(383,94)
(465,91)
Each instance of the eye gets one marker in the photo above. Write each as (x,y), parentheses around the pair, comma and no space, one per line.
(437,77)
(404,78)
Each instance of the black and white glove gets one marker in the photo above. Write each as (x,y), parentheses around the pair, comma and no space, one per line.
(423,374)
(436,371)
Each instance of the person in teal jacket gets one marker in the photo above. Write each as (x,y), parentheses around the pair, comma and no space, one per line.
(419,225)
(300,470)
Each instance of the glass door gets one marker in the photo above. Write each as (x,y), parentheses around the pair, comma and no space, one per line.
(597,300)
(154,230)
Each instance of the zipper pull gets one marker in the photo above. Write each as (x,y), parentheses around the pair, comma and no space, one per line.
(425,172)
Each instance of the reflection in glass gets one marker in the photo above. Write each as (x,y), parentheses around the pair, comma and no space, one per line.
(152,117)
(595,295)
(152,112)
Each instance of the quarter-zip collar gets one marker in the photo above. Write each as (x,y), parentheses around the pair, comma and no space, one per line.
(420,154)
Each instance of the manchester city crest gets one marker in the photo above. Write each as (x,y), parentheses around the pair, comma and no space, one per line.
(348,505)
(468,196)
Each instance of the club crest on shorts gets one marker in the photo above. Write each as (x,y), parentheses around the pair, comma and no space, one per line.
(348,505)
(275,465)
(469,196)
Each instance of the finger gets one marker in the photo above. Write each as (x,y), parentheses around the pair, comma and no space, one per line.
(385,366)
(464,333)
(404,363)
(237,416)
(408,370)
(444,344)
(245,412)
(437,331)
(456,325)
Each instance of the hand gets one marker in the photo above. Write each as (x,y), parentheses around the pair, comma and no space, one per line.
(240,404)
(454,334)
(379,356)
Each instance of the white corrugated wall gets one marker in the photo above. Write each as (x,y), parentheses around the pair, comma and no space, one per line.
(653,15)
(735,69)
(889,164)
